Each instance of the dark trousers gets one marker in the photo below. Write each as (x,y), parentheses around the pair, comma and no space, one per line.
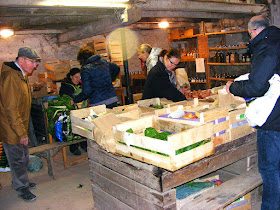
(269,167)
(18,159)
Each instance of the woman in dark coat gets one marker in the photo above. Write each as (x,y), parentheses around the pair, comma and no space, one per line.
(97,77)
(161,80)
(68,87)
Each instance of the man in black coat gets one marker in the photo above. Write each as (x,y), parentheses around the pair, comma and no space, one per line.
(265,46)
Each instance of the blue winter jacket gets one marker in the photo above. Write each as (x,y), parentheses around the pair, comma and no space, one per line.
(264,64)
(97,75)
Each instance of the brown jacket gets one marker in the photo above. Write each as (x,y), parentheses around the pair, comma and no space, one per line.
(15,104)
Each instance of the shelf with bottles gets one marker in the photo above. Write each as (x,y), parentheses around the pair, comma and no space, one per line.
(229,64)
(234,47)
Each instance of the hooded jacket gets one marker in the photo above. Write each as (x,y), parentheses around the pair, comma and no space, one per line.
(97,75)
(153,58)
(158,85)
(15,104)
(264,64)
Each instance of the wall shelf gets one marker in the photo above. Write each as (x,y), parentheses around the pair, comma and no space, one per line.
(220,79)
(228,48)
(229,64)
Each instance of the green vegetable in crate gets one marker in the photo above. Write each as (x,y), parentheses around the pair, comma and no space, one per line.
(129,130)
(151,132)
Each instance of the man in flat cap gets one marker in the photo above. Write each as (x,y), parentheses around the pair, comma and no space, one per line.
(15,106)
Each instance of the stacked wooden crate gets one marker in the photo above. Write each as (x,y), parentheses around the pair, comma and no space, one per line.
(55,71)
(100,128)
(116,55)
(217,116)
(171,154)
(100,48)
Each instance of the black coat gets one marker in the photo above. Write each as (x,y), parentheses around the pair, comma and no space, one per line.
(158,85)
(264,64)
(67,88)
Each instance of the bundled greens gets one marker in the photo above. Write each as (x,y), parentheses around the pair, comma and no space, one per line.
(56,108)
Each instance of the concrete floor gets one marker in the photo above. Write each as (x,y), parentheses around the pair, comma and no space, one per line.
(65,192)
(62,193)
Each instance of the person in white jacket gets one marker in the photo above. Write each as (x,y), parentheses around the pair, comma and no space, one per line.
(148,55)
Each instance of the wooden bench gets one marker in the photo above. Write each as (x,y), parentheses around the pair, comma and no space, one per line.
(226,193)
(50,151)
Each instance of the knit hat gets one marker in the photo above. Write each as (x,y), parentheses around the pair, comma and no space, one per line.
(29,53)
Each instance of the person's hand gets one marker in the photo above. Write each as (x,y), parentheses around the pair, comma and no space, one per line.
(72,102)
(228,86)
(24,141)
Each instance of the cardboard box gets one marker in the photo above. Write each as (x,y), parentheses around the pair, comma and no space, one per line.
(243,203)
(165,154)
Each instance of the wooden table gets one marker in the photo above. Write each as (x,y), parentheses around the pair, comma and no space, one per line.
(120,92)
(50,150)
(124,183)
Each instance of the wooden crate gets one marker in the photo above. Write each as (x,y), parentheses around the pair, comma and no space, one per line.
(153,102)
(47,75)
(120,182)
(116,55)
(129,144)
(185,33)
(57,66)
(144,111)
(85,128)
(218,116)
(239,126)
(51,87)
(189,104)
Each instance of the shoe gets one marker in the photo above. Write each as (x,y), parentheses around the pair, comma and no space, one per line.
(76,152)
(27,195)
(32,186)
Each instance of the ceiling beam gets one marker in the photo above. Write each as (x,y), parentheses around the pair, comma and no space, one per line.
(200,5)
(187,14)
(105,25)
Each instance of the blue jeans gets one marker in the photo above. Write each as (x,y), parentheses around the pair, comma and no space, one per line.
(269,167)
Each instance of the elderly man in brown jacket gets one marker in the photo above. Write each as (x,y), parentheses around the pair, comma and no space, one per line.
(15,106)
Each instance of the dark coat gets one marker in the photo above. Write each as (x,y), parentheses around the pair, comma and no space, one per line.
(158,85)
(97,75)
(67,88)
(264,64)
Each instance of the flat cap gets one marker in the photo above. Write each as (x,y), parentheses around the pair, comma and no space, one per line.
(29,53)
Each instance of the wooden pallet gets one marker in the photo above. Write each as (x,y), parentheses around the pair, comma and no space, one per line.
(121,183)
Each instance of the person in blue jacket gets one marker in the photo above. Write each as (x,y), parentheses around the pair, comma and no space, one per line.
(265,46)
(97,75)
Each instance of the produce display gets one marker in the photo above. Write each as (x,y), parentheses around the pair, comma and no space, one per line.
(190,115)
(153,133)
(159,106)
(59,123)
(200,94)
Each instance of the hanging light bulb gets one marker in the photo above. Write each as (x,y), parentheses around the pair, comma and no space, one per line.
(6,33)
(163,24)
